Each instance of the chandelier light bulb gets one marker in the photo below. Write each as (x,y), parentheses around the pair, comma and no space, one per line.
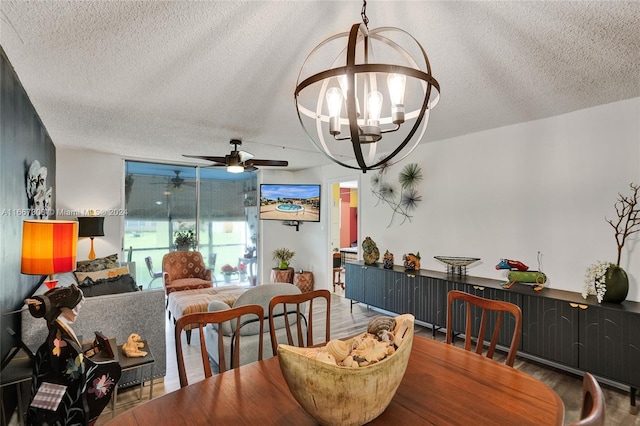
(374,107)
(396,84)
(334,104)
(342,80)
(371,132)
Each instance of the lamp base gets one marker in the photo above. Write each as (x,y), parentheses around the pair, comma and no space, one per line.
(51,283)
(92,253)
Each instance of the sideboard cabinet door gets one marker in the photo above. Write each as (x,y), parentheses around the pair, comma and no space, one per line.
(399,292)
(354,282)
(375,283)
(610,344)
(550,329)
(633,350)
(428,299)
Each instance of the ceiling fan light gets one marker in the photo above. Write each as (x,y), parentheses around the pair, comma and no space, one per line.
(235,168)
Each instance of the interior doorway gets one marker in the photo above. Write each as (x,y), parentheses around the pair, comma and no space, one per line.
(344,228)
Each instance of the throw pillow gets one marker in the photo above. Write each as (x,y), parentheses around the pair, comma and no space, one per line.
(105,273)
(98,264)
(114,285)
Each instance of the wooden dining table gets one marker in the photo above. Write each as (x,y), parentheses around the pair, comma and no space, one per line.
(443,385)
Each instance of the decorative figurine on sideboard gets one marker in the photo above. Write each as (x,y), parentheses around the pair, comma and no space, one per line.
(387,260)
(411,261)
(370,252)
(520,273)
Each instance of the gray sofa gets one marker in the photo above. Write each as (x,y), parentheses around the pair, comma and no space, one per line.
(115,315)
(260,295)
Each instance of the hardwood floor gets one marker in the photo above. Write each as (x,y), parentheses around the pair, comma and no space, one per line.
(345,323)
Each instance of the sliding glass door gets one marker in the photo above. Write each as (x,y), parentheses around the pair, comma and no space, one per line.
(162,199)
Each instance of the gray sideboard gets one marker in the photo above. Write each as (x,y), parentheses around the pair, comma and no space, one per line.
(560,328)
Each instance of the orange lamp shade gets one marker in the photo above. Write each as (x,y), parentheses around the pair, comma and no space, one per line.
(49,246)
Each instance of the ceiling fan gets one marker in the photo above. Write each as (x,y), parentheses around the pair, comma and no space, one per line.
(239,161)
(176,182)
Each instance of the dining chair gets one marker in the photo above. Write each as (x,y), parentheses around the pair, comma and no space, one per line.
(154,275)
(592,413)
(486,306)
(218,317)
(299,300)
(337,271)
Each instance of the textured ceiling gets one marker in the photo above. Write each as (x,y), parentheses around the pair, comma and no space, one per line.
(159,79)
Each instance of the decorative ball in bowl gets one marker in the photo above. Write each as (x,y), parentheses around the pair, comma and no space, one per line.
(350,382)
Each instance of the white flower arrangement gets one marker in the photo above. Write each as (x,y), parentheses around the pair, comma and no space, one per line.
(594,280)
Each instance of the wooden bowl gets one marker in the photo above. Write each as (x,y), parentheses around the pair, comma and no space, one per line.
(336,395)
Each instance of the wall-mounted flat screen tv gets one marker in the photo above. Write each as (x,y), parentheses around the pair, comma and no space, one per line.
(290,202)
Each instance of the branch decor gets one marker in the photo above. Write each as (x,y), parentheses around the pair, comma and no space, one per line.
(606,280)
(628,217)
(402,202)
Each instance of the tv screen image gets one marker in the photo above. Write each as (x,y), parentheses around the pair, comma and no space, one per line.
(291,202)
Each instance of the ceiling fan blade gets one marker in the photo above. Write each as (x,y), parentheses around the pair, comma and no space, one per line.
(258,162)
(245,156)
(208,158)
(250,168)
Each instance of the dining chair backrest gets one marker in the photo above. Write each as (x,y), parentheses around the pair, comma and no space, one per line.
(241,314)
(149,263)
(288,301)
(337,260)
(592,413)
(486,306)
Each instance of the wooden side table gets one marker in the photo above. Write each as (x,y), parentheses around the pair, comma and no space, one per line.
(303,280)
(282,275)
(131,364)
(17,372)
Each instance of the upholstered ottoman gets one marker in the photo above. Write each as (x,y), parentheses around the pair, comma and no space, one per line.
(190,301)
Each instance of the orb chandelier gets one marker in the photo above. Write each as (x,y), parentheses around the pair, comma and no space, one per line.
(348,101)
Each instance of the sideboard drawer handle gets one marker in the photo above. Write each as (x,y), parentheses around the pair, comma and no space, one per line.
(411,276)
(477,287)
(577,305)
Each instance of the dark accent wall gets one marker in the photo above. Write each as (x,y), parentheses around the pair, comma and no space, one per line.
(23,139)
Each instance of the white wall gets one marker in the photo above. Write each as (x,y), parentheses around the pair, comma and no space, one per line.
(312,242)
(545,185)
(90,180)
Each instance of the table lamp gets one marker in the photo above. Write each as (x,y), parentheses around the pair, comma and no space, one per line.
(91,226)
(49,247)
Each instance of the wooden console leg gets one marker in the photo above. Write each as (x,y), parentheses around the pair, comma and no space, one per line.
(188,336)
(632,395)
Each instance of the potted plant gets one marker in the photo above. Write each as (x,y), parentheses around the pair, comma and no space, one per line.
(227,271)
(607,280)
(185,240)
(283,256)
(243,271)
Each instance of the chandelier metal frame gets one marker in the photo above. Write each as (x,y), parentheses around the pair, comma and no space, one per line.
(359,131)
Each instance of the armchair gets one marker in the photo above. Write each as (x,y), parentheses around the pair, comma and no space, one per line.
(184,270)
